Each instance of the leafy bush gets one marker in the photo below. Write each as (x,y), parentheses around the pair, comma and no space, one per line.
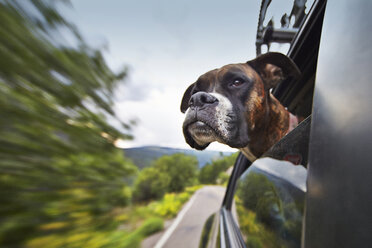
(192,189)
(181,169)
(169,206)
(118,238)
(151,226)
(171,203)
(223,178)
(211,171)
(265,216)
(262,197)
(150,184)
(255,233)
(168,174)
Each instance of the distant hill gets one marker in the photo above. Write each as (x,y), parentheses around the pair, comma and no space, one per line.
(143,156)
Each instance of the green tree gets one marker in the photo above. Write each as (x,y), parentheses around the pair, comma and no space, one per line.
(181,168)
(262,197)
(270,215)
(150,184)
(60,173)
(167,174)
(211,171)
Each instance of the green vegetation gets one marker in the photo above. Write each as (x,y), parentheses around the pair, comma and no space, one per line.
(61,177)
(117,238)
(150,226)
(182,170)
(264,218)
(139,221)
(172,202)
(167,174)
(63,183)
(150,184)
(144,156)
(213,171)
(255,233)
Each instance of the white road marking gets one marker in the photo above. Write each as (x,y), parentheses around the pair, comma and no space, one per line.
(174,225)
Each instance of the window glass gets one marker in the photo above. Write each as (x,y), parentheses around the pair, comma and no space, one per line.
(276,20)
(269,203)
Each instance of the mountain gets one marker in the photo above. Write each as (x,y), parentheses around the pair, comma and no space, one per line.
(143,156)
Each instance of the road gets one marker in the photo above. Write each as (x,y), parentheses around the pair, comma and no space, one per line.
(186,229)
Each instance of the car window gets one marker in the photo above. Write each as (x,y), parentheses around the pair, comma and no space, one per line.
(269,199)
(269,202)
(278,23)
(266,203)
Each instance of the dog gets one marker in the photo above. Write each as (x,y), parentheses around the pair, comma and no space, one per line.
(233,105)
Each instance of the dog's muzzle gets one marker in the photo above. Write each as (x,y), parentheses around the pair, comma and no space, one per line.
(202,100)
(198,125)
(210,117)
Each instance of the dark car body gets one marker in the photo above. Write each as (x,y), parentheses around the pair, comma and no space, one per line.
(314,187)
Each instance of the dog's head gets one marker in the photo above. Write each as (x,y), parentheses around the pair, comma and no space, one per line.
(225,104)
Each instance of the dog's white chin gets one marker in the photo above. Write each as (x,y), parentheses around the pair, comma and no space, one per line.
(201,133)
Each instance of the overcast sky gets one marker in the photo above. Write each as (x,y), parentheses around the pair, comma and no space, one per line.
(167,45)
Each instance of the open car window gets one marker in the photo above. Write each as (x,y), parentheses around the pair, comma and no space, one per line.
(266,202)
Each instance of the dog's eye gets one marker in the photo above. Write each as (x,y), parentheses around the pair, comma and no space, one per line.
(237,82)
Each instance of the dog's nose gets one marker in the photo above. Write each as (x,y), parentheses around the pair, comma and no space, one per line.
(201,99)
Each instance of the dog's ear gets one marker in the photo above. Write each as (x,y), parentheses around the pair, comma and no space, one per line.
(274,67)
(186,98)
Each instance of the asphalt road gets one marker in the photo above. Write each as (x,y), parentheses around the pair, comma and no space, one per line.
(186,229)
(187,233)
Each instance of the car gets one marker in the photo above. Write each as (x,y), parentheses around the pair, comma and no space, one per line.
(313,188)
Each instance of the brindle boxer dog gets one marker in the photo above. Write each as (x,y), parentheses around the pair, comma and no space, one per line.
(233,105)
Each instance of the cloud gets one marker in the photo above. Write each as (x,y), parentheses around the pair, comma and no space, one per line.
(167,46)
(157,114)
(159,120)
(132,91)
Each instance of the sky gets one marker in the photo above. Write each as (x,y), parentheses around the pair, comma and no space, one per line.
(295,174)
(166,45)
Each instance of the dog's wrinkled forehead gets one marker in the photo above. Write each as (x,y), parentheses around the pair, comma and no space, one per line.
(213,81)
(207,81)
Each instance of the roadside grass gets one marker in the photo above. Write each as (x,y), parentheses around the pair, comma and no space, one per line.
(171,203)
(143,220)
(132,224)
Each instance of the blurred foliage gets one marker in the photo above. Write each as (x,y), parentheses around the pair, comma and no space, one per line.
(133,240)
(262,197)
(167,174)
(150,184)
(210,173)
(255,233)
(61,177)
(140,221)
(182,170)
(144,156)
(223,178)
(113,238)
(268,215)
(151,226)
(171,203)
